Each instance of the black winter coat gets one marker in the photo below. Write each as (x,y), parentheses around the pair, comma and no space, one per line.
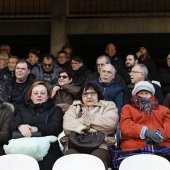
(47,117)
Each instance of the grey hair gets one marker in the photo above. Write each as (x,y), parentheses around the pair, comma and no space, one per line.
(144,70)
(111,66)
(108,61)
(4,55)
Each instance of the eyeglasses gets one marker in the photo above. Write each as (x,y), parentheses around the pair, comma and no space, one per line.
(85,94)
(74,63)
(49,65)
(64,77)
(136,72)
(3,59)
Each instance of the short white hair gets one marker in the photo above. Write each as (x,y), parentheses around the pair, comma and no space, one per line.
(111,66)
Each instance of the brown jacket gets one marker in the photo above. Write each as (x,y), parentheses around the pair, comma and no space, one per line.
(6,115)
(103,117)
(65,96)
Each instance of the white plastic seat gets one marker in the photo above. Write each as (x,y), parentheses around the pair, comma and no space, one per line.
(18,162)
(145,162)
(78,162)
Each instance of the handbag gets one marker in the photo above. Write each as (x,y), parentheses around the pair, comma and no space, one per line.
(86,142)
(18,134)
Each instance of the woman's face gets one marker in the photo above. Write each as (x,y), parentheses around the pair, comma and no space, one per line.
(89,97)
(32,58)
(63,78)
(39,94)
(144,94)
(75,65)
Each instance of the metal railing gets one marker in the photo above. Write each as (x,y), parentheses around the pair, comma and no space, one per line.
(119,8)
(41,9)
(25,9)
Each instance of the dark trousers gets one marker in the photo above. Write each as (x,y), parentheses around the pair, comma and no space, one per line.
(49,160)
(102,154)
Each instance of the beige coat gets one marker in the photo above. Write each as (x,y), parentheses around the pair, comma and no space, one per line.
(103,117)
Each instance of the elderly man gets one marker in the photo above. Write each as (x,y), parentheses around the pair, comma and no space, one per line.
(8,72)
(139,73)
(3,60)
(101,61)
(111,90)
(47,71)
(116,61)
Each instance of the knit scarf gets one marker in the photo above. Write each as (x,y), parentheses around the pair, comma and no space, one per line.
(143,104)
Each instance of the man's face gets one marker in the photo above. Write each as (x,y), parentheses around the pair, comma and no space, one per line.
(142,50)
(130,62)
(107,74)
(68,53)
(136,75)
(168,60)
(75,65)
(62,58)
(21,72)
(3,62)
(5,49)
(100,63)
(47,65)
(111,50)
(12,63)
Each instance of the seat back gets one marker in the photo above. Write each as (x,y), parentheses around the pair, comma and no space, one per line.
(18,162)
(145,162)
(78,162)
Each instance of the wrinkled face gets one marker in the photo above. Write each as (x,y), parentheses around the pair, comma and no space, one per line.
(75,65)
(111,50)
(144,94)
(39,94)
(62,58)
(100,62)
(168,60)
(21,72)
(63,78)
(143,50)
(130,62)
(136,75)
(12,63)
(3,62)
(89,97)
(32,59)
(47,65)
(68,53)
(107,74)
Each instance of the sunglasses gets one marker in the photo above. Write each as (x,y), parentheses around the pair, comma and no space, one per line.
(64,77)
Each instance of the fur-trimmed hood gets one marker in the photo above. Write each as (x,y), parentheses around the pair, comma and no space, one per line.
(8,106)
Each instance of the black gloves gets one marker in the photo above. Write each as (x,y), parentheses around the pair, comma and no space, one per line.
(155,136)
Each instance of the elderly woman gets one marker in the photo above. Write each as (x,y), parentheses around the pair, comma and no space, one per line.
(6,115)
(92,114)
(41,115)
(65,92)
(144,125)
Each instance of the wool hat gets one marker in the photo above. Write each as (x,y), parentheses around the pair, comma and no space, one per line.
(143,85)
